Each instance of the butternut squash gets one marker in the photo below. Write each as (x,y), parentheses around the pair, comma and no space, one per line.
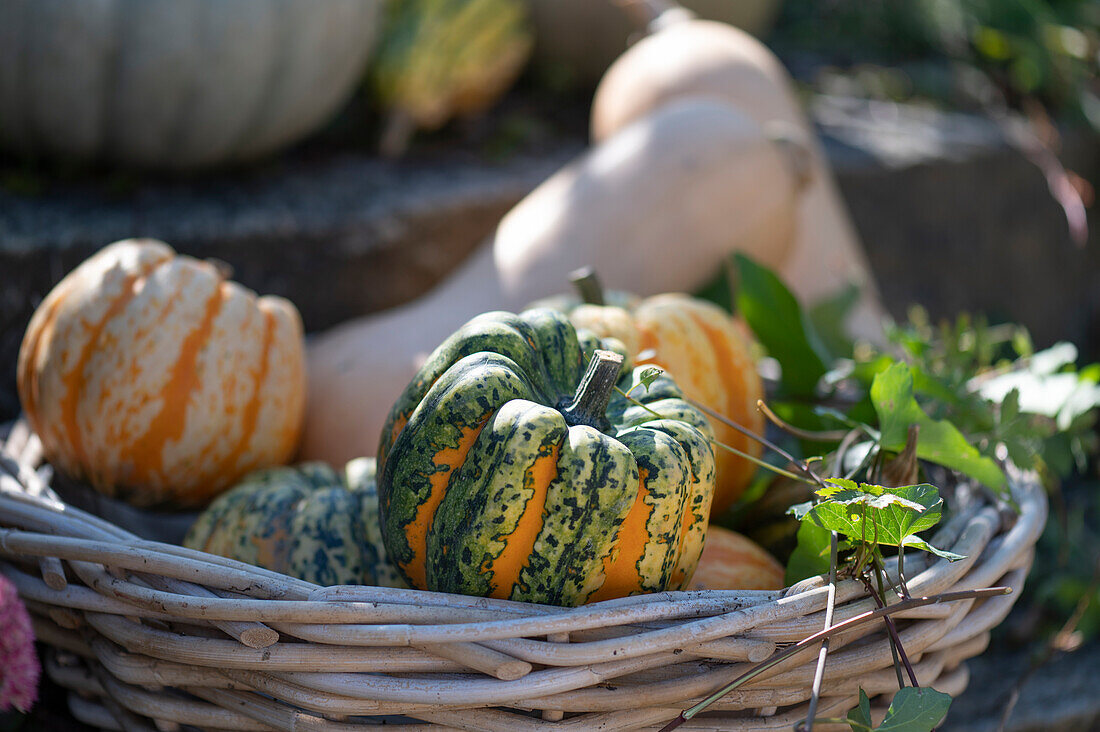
(684,57)
(656,206)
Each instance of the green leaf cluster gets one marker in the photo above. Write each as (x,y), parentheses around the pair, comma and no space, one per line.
(866,516)
(913,709)
(978,392)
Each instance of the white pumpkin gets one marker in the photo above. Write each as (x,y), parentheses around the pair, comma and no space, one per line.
(175,83)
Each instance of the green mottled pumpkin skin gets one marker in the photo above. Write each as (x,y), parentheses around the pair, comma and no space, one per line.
(306,521)
(486,489)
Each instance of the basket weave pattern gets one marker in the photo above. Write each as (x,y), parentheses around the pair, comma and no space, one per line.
(150,636)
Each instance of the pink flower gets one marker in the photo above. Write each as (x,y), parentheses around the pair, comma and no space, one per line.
(19,668)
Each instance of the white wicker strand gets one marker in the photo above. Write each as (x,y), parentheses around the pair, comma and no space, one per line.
(226,654)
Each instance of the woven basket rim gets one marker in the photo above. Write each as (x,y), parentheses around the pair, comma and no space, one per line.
(290,648)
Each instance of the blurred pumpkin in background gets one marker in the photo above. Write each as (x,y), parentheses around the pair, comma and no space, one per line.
(732,562)
(700,345)
(172,84)
(442,59)
(308,521)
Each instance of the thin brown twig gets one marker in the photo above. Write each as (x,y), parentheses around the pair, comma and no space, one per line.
(869,616)
(891,628)
(814,435)
(801,466)
(751,458)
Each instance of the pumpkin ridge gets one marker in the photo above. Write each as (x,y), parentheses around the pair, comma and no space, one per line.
(251,412)
(666,456)
(471,542)
(735,470)
(507,334)
(695,514)
(506,567)
(435,424)
(416,532)
(144,460)
(620,567)
(586,504)
(561,359)
(26,383)
(74,378)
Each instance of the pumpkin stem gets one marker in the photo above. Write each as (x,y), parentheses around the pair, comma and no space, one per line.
(654,15)
(589,406)
(396,135)
(587,285)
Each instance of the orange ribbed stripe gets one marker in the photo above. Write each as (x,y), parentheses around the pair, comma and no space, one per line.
(144,457)
(74,379)
(27,378)
(734,473)
(227,466)
(620,567)
(519,544)
(416,533)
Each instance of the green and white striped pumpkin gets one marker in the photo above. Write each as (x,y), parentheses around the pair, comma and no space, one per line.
(307,521)
(509,470)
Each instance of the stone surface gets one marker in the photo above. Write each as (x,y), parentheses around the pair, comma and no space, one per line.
(954,217)
(1060,697)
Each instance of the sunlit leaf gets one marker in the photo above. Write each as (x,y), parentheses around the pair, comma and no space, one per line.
(779,323)
(939,441)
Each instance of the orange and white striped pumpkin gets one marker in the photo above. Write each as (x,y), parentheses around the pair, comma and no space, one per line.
(732,562)
(707,354)
(153,378)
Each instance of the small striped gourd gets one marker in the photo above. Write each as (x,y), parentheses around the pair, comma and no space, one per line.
(306,521)
(703,349)
(440,59)
(508,469)
(156,380)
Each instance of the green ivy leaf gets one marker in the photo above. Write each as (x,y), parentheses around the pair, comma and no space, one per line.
(782,327)
(918,543)
(915,709)
(860,717)
(877,515)
(649,375)
(939,442)
(842,490)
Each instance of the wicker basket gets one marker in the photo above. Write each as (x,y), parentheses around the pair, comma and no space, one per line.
(149,635)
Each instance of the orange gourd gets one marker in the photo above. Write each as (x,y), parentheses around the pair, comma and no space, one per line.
(701,347)
(153,378)
(732,562)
